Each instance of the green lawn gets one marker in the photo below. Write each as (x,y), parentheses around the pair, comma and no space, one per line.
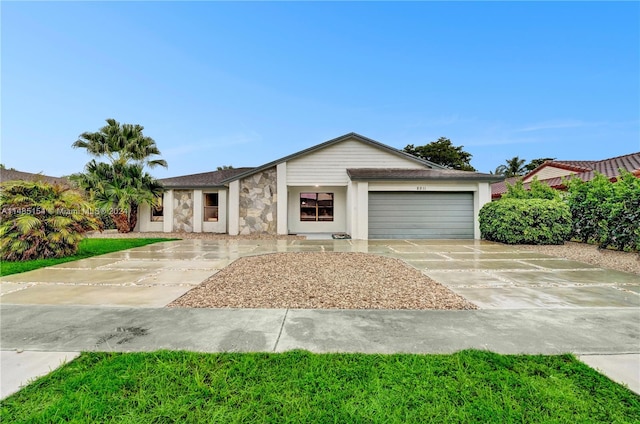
(301,387)
(87,248)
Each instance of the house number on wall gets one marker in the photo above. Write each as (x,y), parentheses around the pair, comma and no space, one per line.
(422,188)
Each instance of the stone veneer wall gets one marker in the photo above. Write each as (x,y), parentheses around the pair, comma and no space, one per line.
(258,203)
(183,211)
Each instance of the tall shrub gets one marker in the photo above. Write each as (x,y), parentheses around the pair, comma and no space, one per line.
(40,220)
(590,204)
(606,213)
(525,221)
(622,228)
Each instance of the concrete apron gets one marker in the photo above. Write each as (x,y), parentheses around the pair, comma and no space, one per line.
(531,303)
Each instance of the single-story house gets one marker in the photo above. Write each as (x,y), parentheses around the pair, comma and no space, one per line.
(554,172)
(14,175)
(350,184)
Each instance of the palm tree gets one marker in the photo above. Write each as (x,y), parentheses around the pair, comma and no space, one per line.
(121,185)
(41,220)
(121,143)
(512,168)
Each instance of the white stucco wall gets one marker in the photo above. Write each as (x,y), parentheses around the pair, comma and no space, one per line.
(339,223)
(233,208)
(167,225)
(221,225)
(145,225)
(282,198)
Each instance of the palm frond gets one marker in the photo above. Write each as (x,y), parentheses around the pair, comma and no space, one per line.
(26,223)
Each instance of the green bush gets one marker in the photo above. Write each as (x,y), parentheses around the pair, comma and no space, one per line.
(606,213)
(40,220)
(537,190)
(525,221)
(589,203)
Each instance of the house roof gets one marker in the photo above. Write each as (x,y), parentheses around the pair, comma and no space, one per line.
(204,179)
(366,174)
(500,188)
(585,170)
(13,175)
(331,142)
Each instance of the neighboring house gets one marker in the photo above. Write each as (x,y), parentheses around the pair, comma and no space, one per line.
(350,184)
(554,172)
(13,175)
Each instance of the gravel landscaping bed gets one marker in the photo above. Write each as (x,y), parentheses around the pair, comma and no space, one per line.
(321,281)
(588,253)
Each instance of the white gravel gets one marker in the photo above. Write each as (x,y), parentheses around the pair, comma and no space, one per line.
(588,253)
(321,281)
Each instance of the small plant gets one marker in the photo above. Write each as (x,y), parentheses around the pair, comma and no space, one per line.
(40,220)
(525,221)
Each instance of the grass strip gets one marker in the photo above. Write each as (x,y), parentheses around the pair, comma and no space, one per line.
(88,247)
(298,386)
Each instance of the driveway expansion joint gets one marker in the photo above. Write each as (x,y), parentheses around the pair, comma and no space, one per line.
(284,320)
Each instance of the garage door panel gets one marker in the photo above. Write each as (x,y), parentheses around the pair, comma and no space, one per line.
(420,215)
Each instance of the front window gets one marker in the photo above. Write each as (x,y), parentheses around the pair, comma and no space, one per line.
(316,207)
(211,207)
(157,211)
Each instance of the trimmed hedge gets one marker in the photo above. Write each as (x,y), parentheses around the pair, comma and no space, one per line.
(525,221)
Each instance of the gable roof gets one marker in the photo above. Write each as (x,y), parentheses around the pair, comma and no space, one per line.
(204,179)
(13,175)
(379,174)
(349,136)
(585,170)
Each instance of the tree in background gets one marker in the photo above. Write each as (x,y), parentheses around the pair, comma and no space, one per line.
(121,184)
(512,168)
(536,163)
(444,153)
(41,220)
(223,167)
(515,166)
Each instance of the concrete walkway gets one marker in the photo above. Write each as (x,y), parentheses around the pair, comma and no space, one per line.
(530,303)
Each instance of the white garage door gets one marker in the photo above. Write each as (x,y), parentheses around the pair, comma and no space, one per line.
(420,215)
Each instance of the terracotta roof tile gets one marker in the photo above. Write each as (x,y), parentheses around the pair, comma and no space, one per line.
(585,170)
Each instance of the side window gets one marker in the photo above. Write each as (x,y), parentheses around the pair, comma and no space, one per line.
(210,207)
(157,211)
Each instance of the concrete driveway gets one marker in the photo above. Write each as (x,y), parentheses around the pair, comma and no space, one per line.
(530,303)
(491,275)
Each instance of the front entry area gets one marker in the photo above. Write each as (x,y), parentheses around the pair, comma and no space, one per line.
(421,215)
(317,209)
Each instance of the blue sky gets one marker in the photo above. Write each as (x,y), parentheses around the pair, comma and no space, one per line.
(217,83)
